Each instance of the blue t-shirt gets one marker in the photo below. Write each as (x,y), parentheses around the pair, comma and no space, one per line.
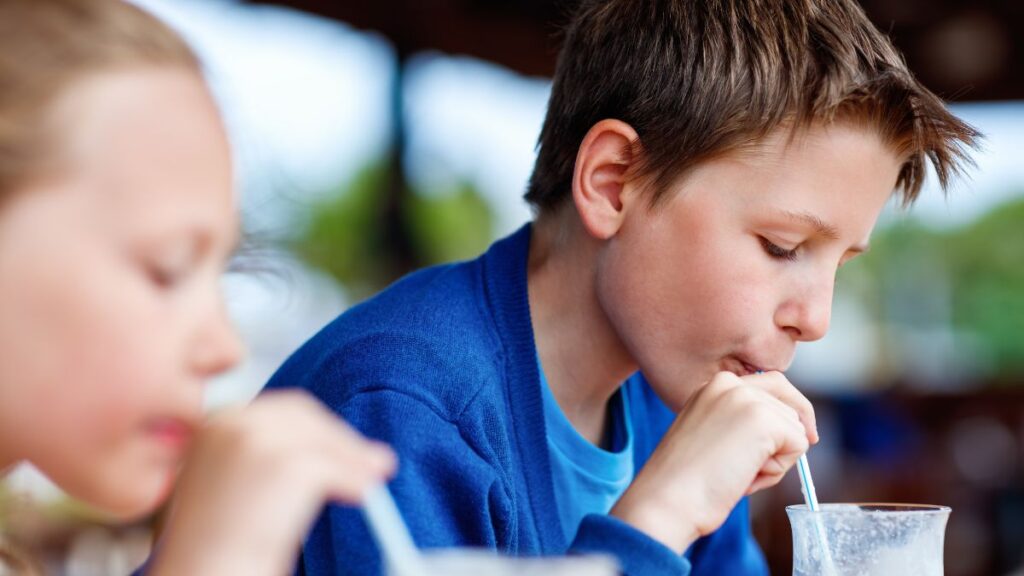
(587,478)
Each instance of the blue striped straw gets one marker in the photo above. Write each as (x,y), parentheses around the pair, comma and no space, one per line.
(806,484)
(811,499)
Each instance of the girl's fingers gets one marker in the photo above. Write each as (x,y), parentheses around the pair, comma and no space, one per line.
(335,459)
(357,464)
(352,478)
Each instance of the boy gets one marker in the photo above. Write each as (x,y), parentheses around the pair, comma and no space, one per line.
(608,379)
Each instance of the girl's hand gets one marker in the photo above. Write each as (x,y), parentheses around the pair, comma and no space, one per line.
(254,482)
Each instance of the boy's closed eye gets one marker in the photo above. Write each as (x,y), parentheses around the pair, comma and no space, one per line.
(776,251)
(811,229)
(790,254)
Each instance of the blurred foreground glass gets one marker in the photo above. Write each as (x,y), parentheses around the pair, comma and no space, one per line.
(479,562)
(869,539)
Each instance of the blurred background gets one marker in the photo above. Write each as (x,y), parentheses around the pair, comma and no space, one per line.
(372,138)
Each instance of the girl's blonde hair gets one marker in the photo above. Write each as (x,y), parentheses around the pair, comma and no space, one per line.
(46,46)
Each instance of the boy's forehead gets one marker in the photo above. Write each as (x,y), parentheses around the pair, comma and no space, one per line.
(788,154)
(812,179)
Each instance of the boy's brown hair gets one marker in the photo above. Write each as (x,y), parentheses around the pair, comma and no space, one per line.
(701,78)
(46,47)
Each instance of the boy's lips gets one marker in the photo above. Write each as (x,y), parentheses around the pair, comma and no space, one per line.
(742,367)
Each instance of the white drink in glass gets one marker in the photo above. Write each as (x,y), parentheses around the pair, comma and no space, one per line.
(869,539)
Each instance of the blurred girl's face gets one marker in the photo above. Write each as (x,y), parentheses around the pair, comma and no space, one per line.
(111,315)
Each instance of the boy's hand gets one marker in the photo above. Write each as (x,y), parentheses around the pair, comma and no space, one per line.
(736,436)
(254,482)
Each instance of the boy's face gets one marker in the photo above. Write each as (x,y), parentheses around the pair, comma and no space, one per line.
(109,278)
(738,264)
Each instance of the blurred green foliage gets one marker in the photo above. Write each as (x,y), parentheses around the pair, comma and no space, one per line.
(971,277)
(981,270)
(451,225)
(350,234)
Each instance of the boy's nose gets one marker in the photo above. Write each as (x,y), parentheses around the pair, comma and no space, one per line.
(806,317)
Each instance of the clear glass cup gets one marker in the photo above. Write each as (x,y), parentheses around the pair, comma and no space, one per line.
(868,539)
(469,562)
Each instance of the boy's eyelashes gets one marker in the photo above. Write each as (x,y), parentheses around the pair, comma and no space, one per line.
(776,251)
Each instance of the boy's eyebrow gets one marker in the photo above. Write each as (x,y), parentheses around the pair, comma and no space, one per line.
(821,227)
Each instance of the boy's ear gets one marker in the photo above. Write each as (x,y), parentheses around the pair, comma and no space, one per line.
(599,180)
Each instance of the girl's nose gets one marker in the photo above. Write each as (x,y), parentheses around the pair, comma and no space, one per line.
(219,347)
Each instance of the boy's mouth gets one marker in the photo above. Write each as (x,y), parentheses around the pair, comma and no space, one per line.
(740,367)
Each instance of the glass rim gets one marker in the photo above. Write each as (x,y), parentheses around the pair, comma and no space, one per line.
(873,508)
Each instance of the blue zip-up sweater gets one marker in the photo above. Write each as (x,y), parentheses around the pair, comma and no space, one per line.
(442,365)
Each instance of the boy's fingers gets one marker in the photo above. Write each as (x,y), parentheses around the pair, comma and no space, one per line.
(763,481)
(784,409)
(783,424)
(776,384)
(793,428)
(791,439)
(792,443)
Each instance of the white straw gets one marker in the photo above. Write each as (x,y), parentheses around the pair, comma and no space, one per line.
(811,499)
(392,535)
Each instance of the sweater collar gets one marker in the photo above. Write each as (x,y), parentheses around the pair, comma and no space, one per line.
(505,277)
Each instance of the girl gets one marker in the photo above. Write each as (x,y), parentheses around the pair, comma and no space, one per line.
(116,218)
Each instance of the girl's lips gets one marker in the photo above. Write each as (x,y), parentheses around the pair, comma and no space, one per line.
(171,431)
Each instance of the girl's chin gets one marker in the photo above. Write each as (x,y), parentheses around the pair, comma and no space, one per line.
(136,509)
(133,501)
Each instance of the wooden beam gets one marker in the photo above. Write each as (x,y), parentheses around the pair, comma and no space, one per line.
(962,49)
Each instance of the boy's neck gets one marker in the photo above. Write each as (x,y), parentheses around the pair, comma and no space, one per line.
(582,357)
